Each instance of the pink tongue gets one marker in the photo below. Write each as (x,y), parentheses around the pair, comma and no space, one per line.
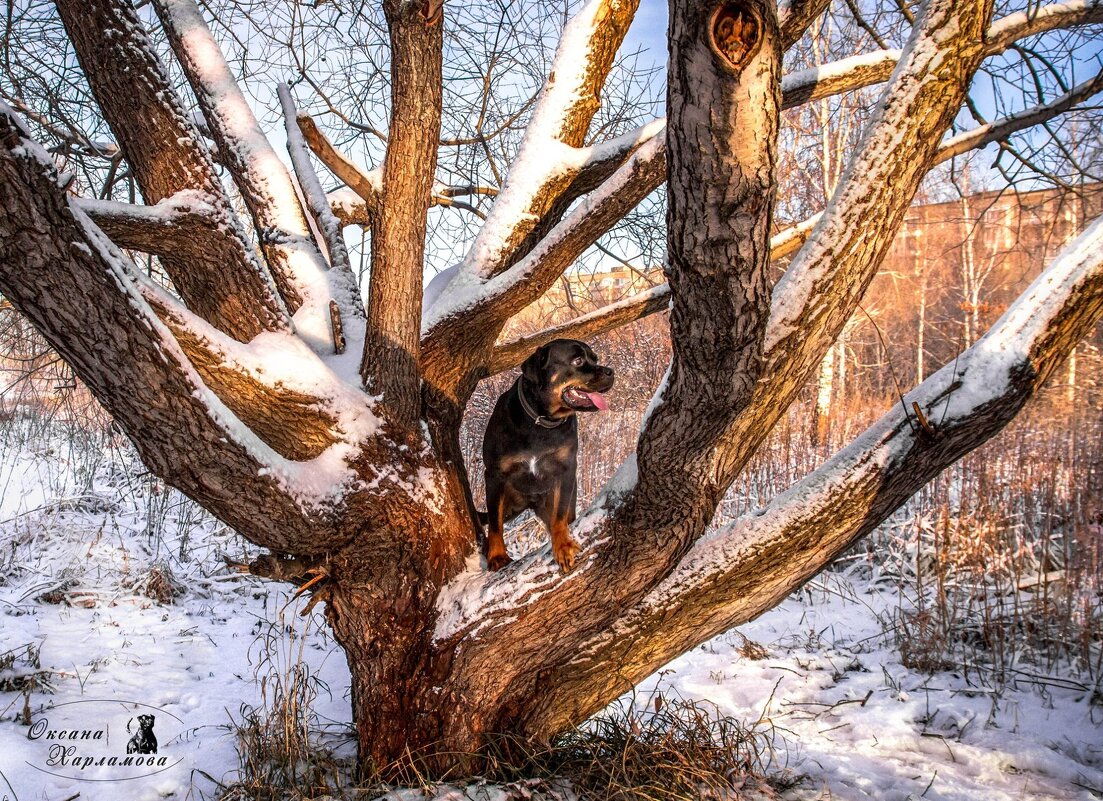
(598,400)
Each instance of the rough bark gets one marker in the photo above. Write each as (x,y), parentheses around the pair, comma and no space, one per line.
(60,271)
(441,658)
(301,273)
(758,560)
(392,347)
(221,280)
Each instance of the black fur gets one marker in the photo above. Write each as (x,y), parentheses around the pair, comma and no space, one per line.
(531,445)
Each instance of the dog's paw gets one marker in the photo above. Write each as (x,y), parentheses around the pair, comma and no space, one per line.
(565,551)
(498,561)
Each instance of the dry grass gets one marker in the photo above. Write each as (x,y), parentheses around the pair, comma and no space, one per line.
(658,748)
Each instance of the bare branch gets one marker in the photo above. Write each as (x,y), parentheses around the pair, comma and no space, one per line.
(607,318)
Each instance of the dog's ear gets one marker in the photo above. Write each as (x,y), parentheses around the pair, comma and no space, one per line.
(534,365)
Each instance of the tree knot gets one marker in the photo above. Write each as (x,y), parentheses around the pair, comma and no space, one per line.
(734,34)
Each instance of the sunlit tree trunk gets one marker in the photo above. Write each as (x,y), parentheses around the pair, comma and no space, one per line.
(341,457)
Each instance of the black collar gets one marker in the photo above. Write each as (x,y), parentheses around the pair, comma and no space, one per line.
(539,419)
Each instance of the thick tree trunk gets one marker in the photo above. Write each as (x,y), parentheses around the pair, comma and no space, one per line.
(367,500)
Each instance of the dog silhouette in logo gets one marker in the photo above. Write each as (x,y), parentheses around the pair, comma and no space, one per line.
(143,741)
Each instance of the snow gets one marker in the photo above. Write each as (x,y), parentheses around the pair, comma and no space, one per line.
(452,295)
(81,526)
(312,190)
(542,158)
(187,201)
(863,184)
(1021,19)
(980,376)
(93,541)
(860,726)
(835,70)
(229,112)
(313,482)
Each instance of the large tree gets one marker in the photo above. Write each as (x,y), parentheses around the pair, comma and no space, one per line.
(326,430)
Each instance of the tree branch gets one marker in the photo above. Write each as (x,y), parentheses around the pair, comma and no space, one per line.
(368,185)
(731,577)
(310,186)
(393,344)
(621,313)
(527,280)
(562,116)
(223,283)
(60,271)
(181,225)
(634,533)
(1000,129)
(302,275)
(607,318)
(616,315)
(795,17)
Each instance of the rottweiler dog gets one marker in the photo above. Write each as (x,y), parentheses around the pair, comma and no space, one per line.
(530,448)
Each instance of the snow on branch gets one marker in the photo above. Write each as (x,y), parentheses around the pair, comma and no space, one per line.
(524,282)
(656,299)
(967,402)
(835,77)
(311,187)
(1000,129)
(172,226)
(77,288)
(298,266)
(549,156)
(1006,30)
(226,282)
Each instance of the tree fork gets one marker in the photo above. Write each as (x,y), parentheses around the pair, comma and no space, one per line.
(223,283)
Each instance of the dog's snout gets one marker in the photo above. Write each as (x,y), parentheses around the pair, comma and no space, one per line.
(605,371)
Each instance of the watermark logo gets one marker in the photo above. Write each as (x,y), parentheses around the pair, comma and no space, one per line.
(101,740)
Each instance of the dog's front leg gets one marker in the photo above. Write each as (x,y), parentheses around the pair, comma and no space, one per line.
(496,556)
(564,548)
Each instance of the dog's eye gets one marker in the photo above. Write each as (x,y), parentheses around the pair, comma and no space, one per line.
(578,361)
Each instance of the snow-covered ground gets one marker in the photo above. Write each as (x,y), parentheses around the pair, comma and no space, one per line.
(90,549)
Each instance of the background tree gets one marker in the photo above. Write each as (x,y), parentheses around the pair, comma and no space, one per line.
(258,383)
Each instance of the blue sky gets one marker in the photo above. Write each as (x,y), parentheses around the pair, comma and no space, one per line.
(649,29)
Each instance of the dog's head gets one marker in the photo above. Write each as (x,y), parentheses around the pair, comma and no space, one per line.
(145,722)
(567,378)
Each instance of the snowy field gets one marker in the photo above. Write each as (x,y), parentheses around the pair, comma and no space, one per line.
(114,591)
